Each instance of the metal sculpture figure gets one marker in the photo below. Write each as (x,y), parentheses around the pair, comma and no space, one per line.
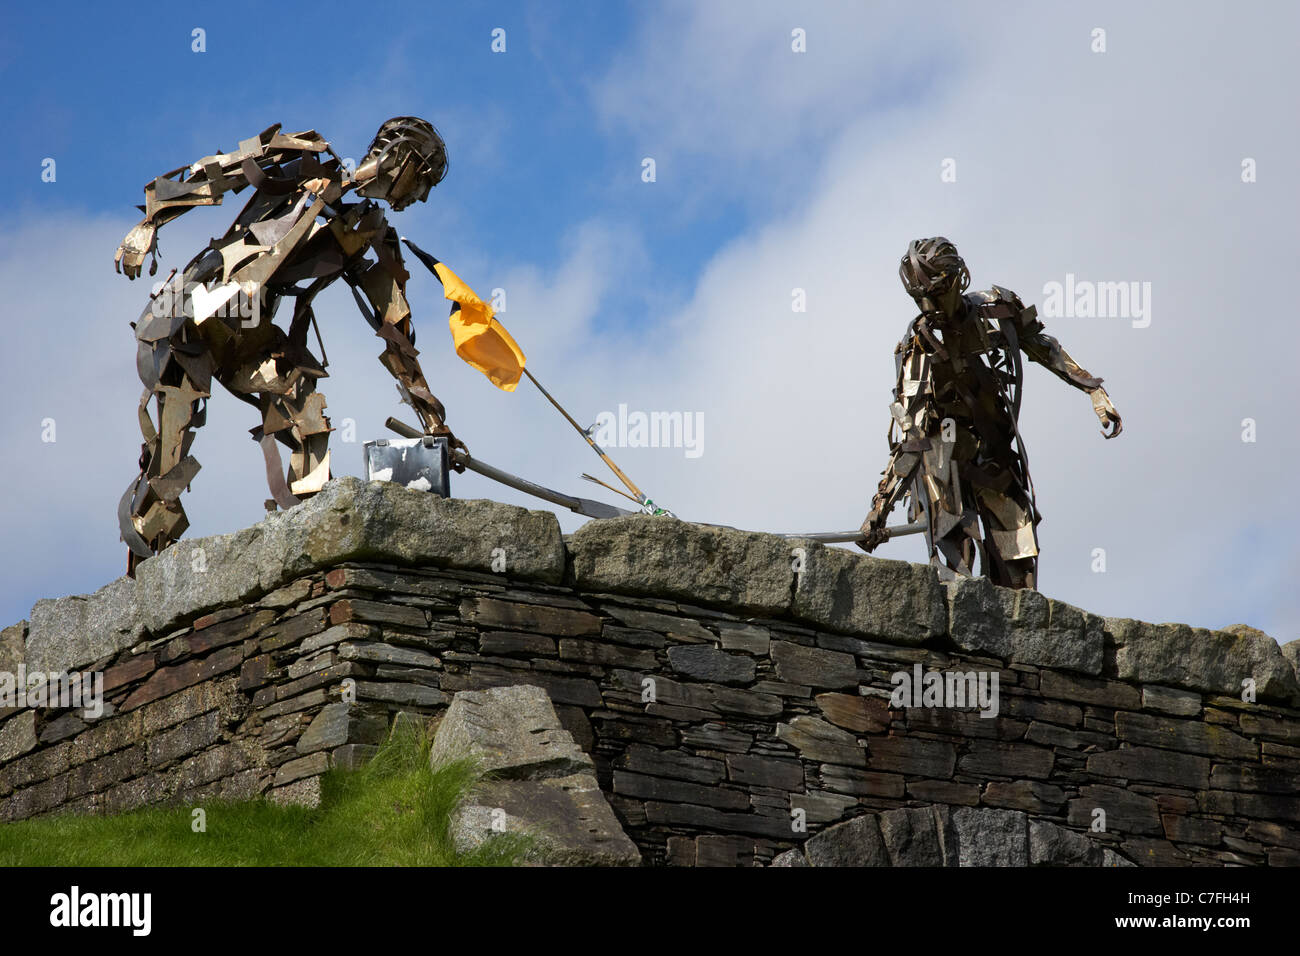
(293,238)
(958,454)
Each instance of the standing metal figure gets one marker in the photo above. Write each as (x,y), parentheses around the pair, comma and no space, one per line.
(958,454)
(293,238)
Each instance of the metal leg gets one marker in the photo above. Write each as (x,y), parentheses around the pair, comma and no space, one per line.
(153,517)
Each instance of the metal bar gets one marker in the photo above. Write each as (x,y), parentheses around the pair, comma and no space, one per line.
(606,485)
(640,496)
(403,429)
(598,509)
(582,506)
(836,537)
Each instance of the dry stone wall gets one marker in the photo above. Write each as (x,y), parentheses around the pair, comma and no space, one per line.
(732,689)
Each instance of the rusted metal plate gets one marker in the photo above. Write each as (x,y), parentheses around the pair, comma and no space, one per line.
(418,463)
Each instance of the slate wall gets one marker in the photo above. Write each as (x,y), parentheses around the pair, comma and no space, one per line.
(733,688)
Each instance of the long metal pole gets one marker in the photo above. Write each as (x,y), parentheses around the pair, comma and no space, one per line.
(598,509)
(640,496)
(582,506)
(844,537)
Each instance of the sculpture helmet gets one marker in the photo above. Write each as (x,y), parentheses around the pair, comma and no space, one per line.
(932,269)
(407,158)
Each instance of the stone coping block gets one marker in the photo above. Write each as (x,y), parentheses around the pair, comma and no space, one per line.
(1201,659)
(895,601)
(1291,651)
(741,572)
(668,558)
(350,520)
(13,641)
(1023,626)
(70,633)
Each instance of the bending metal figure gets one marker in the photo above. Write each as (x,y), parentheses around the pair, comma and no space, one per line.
(294,237)
(955,445)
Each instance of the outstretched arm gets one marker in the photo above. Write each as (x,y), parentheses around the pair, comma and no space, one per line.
(897,476)
(203,183)
(383,285)
(906,410)
(1046,351)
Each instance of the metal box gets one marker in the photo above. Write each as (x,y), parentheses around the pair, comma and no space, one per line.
(418,463)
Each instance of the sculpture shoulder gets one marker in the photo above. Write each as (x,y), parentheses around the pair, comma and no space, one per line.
(993,297)
(997,304)
(307,141)
(908,340)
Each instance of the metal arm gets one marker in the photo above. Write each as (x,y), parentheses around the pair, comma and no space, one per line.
(205,182)
(1047,351)
(383,286)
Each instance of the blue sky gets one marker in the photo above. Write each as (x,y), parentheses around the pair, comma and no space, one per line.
(133,100)
(775,170)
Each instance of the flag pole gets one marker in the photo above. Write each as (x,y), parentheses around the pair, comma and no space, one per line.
(608,486)
(639,495)
(461,294)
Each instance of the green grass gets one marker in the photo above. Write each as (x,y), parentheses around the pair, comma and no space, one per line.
(394,811)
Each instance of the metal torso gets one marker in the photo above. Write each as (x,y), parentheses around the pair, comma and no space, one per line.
(972,376)
(955,436)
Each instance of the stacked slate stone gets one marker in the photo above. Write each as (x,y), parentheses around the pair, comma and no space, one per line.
(732,689)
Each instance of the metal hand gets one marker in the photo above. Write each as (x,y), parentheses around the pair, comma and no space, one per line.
(139,242)
(1106,412)
(873,528)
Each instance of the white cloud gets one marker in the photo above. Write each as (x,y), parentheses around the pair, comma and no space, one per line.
(1116,166)
(1113,166)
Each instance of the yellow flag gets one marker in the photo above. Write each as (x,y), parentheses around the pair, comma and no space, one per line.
(480,339)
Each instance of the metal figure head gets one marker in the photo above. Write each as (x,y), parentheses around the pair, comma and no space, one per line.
(934,274)
(406,159)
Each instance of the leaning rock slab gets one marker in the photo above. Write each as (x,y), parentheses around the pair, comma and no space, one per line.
(568,816)
(513,732)
(1052,845)
(541,784)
